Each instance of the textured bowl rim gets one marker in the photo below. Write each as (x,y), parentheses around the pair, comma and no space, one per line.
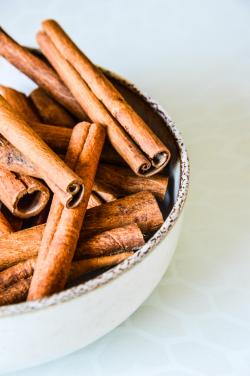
(108,276)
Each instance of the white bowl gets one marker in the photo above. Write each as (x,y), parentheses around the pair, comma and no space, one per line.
(35,332)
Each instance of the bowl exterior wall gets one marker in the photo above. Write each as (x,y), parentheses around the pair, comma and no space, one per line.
(35,337)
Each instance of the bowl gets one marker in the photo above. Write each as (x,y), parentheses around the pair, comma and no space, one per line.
(35,332)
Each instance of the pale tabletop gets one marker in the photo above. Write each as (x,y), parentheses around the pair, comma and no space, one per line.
(194,58)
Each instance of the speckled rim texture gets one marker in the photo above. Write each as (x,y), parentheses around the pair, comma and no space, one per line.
(127,264)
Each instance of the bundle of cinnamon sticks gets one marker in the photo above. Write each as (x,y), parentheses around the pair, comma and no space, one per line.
(79,171)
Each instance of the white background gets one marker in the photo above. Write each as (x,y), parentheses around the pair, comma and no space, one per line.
(194,58)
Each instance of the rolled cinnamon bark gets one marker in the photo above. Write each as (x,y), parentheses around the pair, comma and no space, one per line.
(20,103)
(40,72)
(117,240)
(13,160)
(63,225)
(15,292)
(5,226)
(20,246)
(122,181)
(23,195)
(140,208)
(49,165)
(49,110)
(108,95)
(15,273)
(94,109)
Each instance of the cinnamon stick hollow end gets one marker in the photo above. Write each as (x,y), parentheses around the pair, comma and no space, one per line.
(31,200)
(161,158)
(22,195)
(76,192)
(73,195)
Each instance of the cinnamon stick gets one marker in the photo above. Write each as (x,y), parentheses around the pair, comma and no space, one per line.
(40,72)
(117,240)
(140,208)
(122,181)
(23,195)
(20,246)
(94,108)
(82,267)
(15,292)
(63,225)
(13,160)
(15,273)
(140,132)
(20,103)
(49,110)
(50,166)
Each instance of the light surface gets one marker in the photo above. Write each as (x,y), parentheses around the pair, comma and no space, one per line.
(194,58)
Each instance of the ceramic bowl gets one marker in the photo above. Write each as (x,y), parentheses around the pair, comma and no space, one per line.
(35,332)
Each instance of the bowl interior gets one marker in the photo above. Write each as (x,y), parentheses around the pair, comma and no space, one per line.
(152,115)
(178,173)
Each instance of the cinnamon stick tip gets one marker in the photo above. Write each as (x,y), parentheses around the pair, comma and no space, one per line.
(76,189)
(40,35)
(161,159)
(49,21)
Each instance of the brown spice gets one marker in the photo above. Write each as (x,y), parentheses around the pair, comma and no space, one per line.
(63,225)
(23,195)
